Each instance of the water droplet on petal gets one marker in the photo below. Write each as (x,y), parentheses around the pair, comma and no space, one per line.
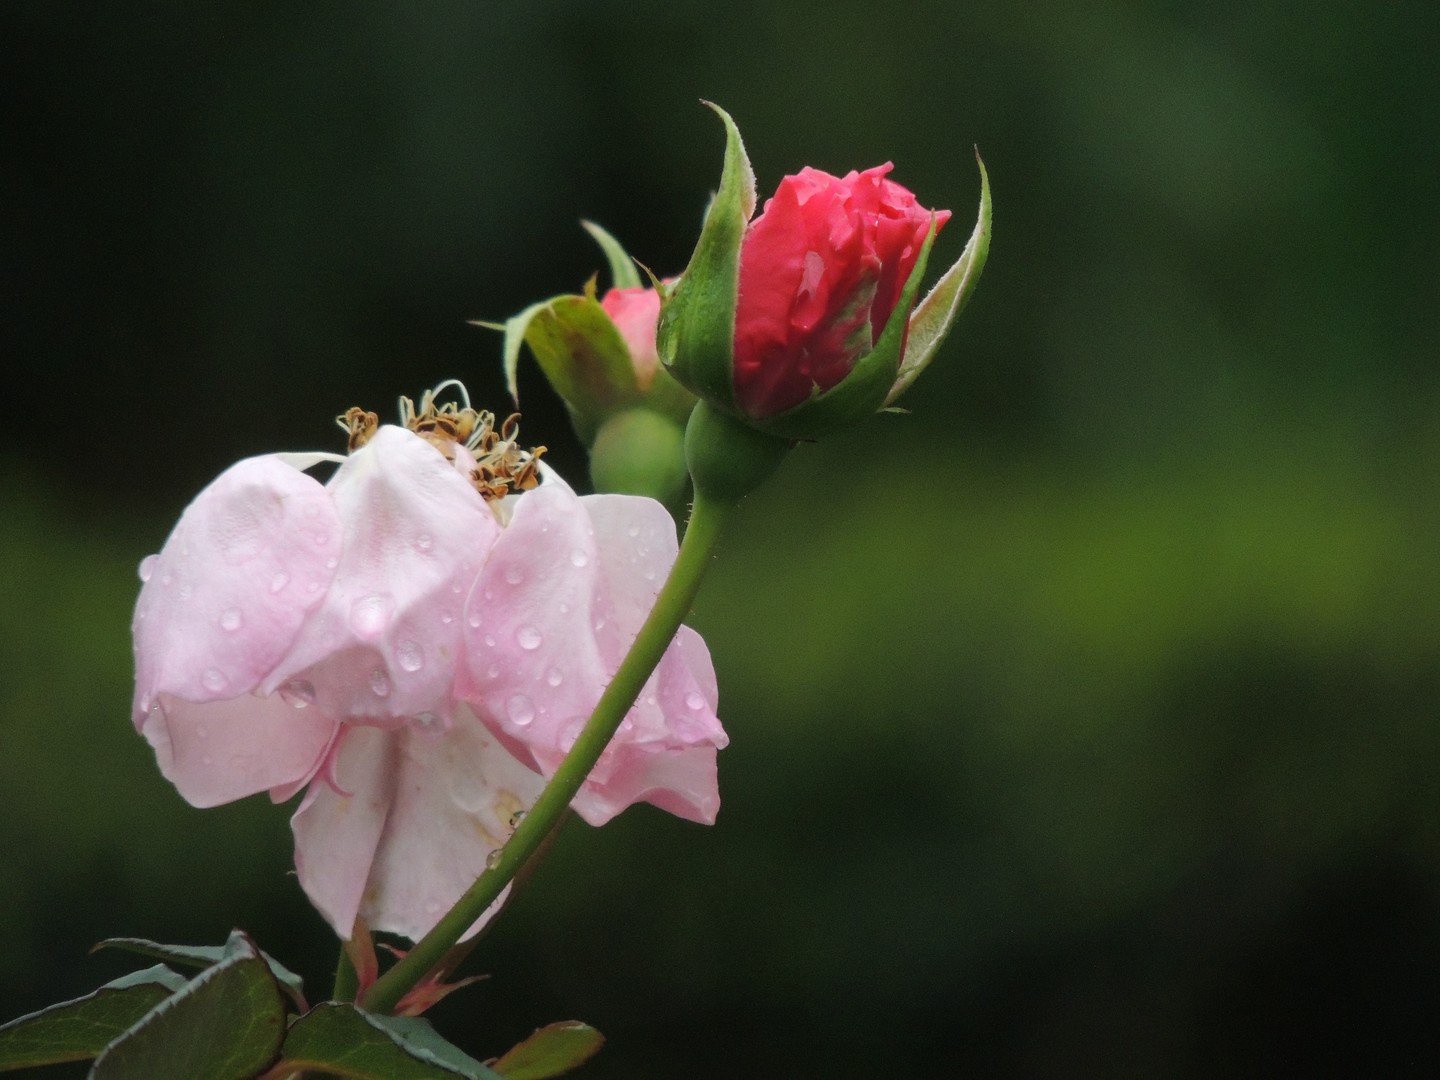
(379,683)
(331,563)
(493,671)
(554,676)
(279,581)
(447,617)
(428,721)
(409,655)
(475,619)
(147,566)
(492,860)
(186,590)
(231,619)
(564,608)
(693,700)
(514,575)
(298,693)
(489,642)
(321,537)
(515,819)
(424,542)
(599,622)
(529,637)
(520,709)
(578,557)
(312,587)
(633,531)
(571,734)
(214,680)
(369,614)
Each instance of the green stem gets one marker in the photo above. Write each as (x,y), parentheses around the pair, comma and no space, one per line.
(671,606)
(347,983)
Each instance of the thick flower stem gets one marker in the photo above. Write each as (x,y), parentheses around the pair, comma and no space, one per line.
(671,606)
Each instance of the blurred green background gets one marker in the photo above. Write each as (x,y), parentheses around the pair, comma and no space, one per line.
(1084,722)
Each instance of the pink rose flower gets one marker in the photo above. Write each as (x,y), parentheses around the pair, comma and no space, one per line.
(821,270)
(417,656)
(635,311)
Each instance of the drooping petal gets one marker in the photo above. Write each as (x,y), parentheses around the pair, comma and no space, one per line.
(549,621)
(426,809)
(383,643)
(217,751)
(225,598)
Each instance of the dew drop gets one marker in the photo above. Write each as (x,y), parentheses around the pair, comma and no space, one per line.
(447,617)
(231,619)
(564,608)
(529,637)
(214,680)
(520,709)
(279,581)
(312,587)
(493,671)
(457,588)
(571,734)
(410,655)
(147,566)
(321,537)
(379,683)
(428,721)
(516,818)
(489,642)
(649,575)
(554,677)
(514,575)
(369,614)
(693,700)
(633,531)
(424,542)
(331,563)
(474,619)
(578,557)
(599,622)
(492,860)
(186,590)
(298,693)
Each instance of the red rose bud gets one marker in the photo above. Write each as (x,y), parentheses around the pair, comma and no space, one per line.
(821,272)
(805,319)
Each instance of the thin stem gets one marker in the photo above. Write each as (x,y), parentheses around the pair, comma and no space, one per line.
(671,606)
(347,983)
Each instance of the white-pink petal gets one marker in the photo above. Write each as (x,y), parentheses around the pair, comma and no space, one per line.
(217,751)
(426,811)
(226,596)
(549,620)
(382,645)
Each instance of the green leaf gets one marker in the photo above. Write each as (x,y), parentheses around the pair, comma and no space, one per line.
(225,1024)
(203,956)
(935,314)
(696,337)
(342,1040)
(623,273)
(81,1029)
(554,1049)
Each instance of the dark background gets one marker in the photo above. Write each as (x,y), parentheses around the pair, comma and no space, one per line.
(1084,722)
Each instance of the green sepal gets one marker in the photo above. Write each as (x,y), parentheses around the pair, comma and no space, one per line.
(696,338)
(341,1040)
(863,392)
(553,1050)
(80,1029)
(203,956)
(623,272)
(225,1024)
(934,316)
(582,354)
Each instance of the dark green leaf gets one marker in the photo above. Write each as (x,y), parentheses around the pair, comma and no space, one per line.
(226,1024)
(554,1049)
(80,1029)
(202,956)
(341,1040)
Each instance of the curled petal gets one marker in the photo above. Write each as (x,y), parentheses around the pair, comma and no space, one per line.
(218,751)
(549,621)
(226,597)
(382,645)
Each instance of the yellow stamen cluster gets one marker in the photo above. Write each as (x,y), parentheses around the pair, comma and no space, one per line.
(501,465)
